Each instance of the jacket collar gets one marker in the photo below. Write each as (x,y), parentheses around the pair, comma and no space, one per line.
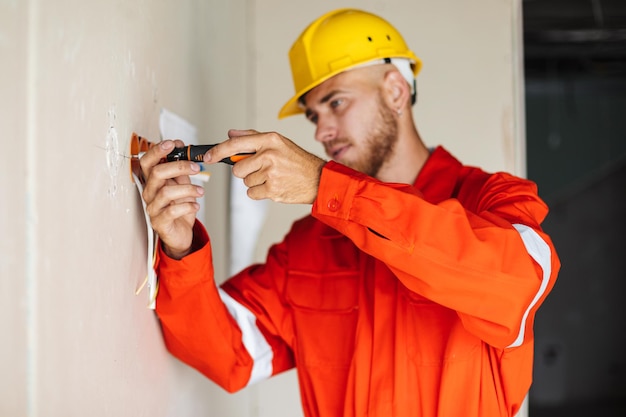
(438,177)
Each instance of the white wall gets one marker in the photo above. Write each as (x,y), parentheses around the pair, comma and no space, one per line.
(77,78)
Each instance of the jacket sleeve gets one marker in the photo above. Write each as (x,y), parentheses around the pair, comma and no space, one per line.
(493,265)
(206,327)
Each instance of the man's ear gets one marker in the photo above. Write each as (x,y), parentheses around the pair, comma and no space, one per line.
(397,90)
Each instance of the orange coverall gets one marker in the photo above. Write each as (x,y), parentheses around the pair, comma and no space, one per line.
(390,299)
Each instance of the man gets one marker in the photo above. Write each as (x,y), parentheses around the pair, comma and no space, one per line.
(412,287)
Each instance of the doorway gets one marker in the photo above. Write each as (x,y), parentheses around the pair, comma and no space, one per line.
(575,83)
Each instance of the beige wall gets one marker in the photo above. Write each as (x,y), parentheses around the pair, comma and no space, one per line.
(13,203)
(77,78)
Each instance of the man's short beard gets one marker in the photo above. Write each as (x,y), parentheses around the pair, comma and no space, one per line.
(380,142)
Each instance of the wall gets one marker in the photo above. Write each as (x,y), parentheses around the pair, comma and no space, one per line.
(77,79)
(80,77)
(13,327)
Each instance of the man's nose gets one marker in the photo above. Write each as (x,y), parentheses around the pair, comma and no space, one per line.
(325,130)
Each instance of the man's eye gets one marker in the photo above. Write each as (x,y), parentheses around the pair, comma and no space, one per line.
(312,118)
(336,103)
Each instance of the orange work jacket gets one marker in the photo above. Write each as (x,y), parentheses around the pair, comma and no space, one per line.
(389,299)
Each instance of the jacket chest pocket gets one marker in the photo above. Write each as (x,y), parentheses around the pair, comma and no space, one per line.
(325,312)
(323,292)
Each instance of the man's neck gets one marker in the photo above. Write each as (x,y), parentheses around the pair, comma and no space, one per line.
(410,155)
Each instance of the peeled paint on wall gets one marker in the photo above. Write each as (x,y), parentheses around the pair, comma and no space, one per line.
(114,156)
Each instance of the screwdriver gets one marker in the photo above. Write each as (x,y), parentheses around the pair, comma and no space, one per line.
(196,153)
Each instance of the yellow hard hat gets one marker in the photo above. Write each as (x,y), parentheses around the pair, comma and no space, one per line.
(337,41)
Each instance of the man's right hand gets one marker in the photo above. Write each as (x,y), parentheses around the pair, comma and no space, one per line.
(171,197)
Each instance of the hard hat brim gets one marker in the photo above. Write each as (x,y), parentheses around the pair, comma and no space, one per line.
(292,107)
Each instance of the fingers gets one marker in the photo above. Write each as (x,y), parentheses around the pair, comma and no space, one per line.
(234,133)
(285,182)
(171,195)
(170,173)
(240,141)
(279,169)
(174,225)
(154,155)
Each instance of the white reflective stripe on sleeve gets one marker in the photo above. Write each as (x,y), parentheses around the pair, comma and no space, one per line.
(252,338)
(539,250)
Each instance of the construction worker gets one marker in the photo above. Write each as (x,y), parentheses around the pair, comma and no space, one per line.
(411,288)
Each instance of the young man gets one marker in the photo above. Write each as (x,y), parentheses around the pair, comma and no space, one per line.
(412,287)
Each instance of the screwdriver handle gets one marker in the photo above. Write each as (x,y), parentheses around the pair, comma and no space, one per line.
(196,153)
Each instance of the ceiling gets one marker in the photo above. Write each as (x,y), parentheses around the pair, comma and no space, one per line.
(575,33)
